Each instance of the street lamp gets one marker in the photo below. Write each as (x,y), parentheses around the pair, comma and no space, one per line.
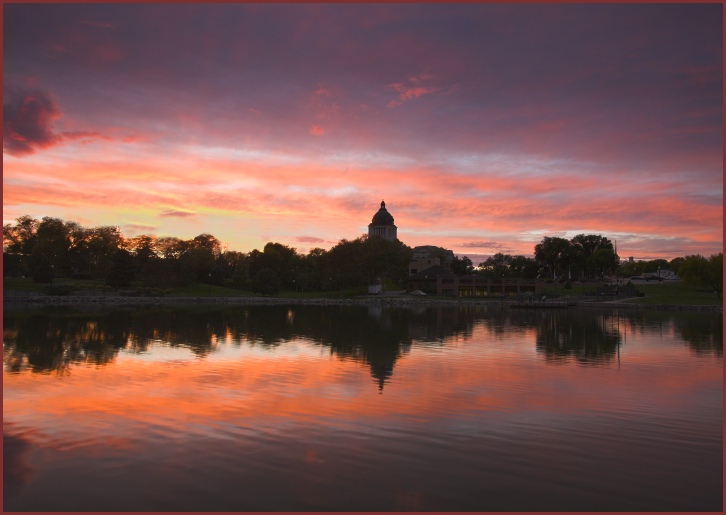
(659,274)
(52,274)
(209,285)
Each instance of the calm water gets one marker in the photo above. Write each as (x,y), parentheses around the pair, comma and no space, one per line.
(311,408)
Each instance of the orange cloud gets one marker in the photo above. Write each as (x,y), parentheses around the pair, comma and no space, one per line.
(317,130)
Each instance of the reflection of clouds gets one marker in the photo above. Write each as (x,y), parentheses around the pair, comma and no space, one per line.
(293,422)
(372,335)
(17,470)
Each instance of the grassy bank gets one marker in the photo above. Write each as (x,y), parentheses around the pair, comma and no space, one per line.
(676,294)
(655,294)
(27,286)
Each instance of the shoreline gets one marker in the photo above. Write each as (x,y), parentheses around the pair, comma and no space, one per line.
(385,300)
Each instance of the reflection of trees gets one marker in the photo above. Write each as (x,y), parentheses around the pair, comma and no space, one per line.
(589,337)
(437,324)
(703,332)
(377,336)
(53,340)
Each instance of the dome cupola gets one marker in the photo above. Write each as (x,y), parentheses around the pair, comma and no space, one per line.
(382,224)
(382,217)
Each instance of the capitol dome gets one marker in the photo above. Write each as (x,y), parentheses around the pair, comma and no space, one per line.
(382,217)
(382,224)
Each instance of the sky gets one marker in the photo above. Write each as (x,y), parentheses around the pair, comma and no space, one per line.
(484,127)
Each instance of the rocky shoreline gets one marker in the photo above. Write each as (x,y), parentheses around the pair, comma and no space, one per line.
(392,300)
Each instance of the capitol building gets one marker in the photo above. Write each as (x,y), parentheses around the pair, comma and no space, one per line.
(382,224)
(430,269)
(423,257)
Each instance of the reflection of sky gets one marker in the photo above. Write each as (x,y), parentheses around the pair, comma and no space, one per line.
(485,373)
(486,407)
(223,349)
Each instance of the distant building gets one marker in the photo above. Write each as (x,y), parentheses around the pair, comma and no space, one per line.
(438,280)
(382,225)
(431,281)
(422,263)
(426,256)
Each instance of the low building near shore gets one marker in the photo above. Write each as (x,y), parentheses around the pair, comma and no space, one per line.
(441,281)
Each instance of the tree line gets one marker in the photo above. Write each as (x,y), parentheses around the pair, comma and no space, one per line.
(51,247)
(586,256)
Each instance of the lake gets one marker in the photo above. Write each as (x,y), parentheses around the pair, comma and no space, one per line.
(362,408)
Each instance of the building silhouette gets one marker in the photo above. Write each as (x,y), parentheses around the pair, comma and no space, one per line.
(382,225)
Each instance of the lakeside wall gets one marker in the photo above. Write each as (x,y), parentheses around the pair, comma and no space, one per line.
(110,301)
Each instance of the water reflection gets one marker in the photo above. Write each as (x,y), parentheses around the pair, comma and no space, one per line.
(272,408)
(50,341)
(589,337)
(56,338)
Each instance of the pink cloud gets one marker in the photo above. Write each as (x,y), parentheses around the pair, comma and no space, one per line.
(408,92)
(309,239)
(317,130)
(177,214)
(132,229)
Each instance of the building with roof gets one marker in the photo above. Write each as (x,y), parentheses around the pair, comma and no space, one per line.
(438,280)
(426,256)
(382,224)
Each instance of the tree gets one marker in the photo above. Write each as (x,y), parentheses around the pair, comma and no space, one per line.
(715,275)
(592,255)
(355,263)
(51,250)
(506,265)
(675,264)
(171,247)
(266,282)
(602,261)
(553,255)
(653,265)
(143,248)
(496,266)
(699,271)
(207,241)
(102,243)
(18,243)
(122,270)
(233,269)
(524,267)
(585,245)
(196,264)
(20,238)
(462,266)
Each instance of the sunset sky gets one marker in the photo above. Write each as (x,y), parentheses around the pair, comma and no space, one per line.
(484,127)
